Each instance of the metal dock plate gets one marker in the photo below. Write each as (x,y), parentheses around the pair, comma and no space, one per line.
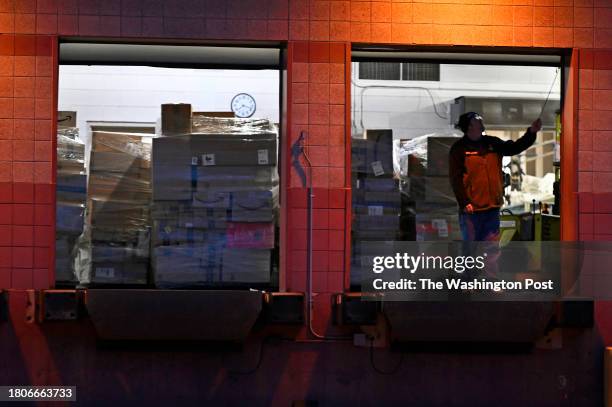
(173,315)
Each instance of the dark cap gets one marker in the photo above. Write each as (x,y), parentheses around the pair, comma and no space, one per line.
(464,121)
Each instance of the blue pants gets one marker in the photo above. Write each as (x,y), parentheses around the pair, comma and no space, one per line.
(480,226)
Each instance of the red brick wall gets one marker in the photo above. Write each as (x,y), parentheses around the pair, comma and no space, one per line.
(317,32)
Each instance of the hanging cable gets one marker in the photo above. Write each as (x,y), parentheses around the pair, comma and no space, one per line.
(549,91)
(379,371)
(260,357)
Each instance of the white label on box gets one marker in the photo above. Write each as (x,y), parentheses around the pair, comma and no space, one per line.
(188,224)
(168,229)
(375,210)
(194,160)
(377,167)
(441,226)
(208,159)
(107,272)
(262,157)
(507,224)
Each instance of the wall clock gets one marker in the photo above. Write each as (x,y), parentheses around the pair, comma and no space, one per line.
(243,105)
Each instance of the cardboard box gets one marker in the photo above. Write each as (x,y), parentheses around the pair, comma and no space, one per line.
(236,178)
(121,163)
(203,218)
(119,273)
(438,150)
(172,169)
(416,188)
(117,254)
(376,184)
(385,199)
(186,265)
(69,148)
(117,215)
(212,198)
(439,190)
(169,209)
(242,235)
(129,236)
(176,118)
(375,210)
(118,187)
(166,233)
(374,154)
(252,200)
(370,234)
(247,266)
(74,166)
(437,227)
(253,215)
(69,217)
(64,258)
(382,222)
(242,200)
(71,186)
(234,149)
(136,145)
(196,265)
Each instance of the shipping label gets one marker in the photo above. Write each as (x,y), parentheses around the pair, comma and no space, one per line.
(377,167)
(375,210)
(441,226)
(262,157)
(208,159)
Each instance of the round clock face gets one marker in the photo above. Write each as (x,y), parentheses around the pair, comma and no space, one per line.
(243,105)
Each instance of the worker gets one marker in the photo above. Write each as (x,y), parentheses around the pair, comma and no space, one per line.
(475,171)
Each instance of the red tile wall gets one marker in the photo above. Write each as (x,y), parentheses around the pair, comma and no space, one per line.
(318,31)
(26,149)
(595,133)
(317,72)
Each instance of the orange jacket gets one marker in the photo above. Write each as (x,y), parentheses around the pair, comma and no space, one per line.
(475,169)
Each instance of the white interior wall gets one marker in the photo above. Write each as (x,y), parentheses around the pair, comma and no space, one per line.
(135,93)
(406,107)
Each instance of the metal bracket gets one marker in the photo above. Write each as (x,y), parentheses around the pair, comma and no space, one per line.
(59,305)
(352,309)
(284,308)
(32,308)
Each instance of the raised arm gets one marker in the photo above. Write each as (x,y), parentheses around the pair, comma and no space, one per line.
(511,147)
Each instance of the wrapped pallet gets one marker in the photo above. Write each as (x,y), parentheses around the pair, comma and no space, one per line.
(423,163)
(215,204)
(115,247)
(376,198)
(376,195)
(71,188)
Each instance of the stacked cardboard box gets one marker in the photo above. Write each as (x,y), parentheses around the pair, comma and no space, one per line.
(115,246)
(71,191)
(215,204)
(375,192)
(376,196)
(435,208)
